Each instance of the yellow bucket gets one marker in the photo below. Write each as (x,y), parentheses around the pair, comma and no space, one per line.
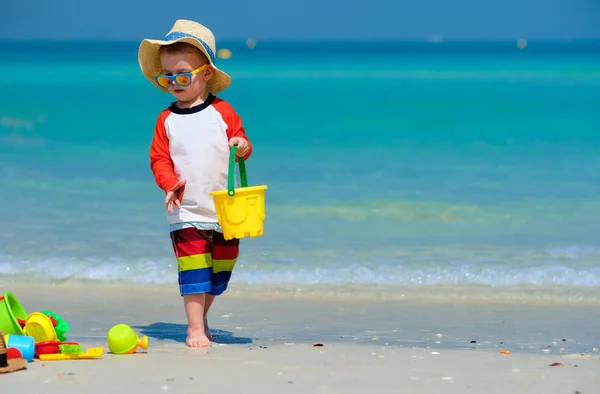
(240,211)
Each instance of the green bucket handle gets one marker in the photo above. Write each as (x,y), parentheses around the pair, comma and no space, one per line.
(231,175)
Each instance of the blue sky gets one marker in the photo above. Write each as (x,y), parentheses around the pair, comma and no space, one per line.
(304,19)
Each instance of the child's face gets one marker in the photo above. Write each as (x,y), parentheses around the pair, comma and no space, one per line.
(175,63)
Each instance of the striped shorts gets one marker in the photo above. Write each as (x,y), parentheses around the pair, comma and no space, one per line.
(205,260)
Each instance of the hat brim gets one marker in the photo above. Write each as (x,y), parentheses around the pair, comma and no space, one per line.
(14,364)
(149,60)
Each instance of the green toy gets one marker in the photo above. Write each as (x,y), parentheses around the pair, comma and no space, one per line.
(61,328)
(123,340)
(11,311)
(70,349)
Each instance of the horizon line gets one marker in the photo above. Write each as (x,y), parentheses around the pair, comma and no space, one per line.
(433,40)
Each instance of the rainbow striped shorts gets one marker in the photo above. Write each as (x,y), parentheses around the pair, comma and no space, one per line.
(205,259)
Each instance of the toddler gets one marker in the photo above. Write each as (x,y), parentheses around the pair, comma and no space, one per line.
(189,158)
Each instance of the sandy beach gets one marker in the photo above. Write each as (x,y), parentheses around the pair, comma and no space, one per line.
(268,345)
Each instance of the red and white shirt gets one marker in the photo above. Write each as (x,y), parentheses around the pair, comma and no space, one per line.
(192,144)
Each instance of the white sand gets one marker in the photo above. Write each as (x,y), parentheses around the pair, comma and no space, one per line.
(266,346)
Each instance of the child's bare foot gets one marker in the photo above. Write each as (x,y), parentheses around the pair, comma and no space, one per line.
(206,329)
(197,337)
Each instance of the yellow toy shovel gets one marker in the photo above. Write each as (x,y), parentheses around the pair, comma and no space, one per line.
(93,352)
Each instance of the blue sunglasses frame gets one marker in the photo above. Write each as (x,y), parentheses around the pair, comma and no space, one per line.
(173,78)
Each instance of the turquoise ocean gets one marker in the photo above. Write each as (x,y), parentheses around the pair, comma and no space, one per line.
(390,166)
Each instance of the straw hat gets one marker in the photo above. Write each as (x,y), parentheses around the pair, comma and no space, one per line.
(7,365)
(183,31)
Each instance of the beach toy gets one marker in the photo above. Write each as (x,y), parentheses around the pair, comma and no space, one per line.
(13,353)
(123,340)
(39,326)
(50,347)
(60,325)
(70,349)
(91,353)
(24,343)
(9,364)
(240,211)
(11,311)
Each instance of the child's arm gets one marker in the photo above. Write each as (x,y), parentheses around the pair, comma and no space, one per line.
(237,135)
(160,158)
(235,130)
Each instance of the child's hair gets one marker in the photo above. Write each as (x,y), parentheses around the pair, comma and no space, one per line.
(182,47)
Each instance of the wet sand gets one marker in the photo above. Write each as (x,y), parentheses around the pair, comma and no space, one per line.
(267,344)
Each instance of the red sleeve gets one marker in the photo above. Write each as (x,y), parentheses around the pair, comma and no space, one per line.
(233,121)
(160,158)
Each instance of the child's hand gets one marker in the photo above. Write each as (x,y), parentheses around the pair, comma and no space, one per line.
(172,197)
(242,144)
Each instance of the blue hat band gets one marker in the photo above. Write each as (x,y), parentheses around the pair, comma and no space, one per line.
(177,35)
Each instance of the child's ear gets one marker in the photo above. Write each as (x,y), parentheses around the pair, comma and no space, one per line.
(208,74)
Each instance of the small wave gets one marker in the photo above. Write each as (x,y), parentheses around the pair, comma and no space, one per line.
(113,269)
(571,266)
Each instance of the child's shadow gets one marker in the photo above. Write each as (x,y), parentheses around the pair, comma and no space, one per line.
(178,333)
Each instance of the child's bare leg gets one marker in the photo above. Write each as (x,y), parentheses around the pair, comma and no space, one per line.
(194,309)
(207,303)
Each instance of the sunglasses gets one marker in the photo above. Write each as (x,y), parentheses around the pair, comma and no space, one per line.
(182,79)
